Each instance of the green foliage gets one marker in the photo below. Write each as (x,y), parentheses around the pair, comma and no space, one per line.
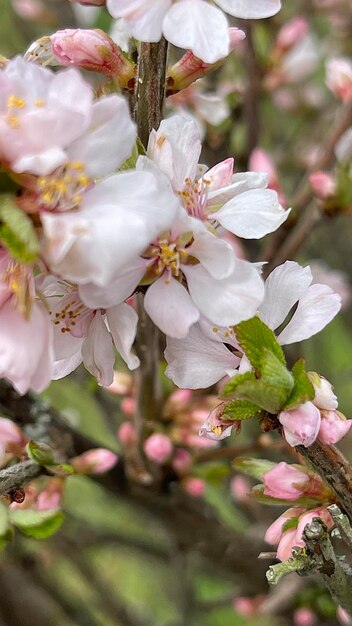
(256,468)
(255,338)
(37,524)
(5,528)
(17,232)
(231,387)
(241,410)
(303,389)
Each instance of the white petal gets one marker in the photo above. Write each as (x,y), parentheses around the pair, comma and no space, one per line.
(229,301)
(196,362)
(250,9)
(141,18)
(198,26)
(119,289)
(216,255)
(252,214)
(239,183)
(170,307)
(98,353)
(175,147)
(108,141)
(123,320)
(315,310)
(283,288)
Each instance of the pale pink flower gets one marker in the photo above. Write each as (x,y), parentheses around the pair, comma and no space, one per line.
(195,25)
(158,448)
(333,427)
(339,77)
(290,34)
(195,487)
(238,202)
(337,280)
(202,358)
(88,335)
(215,427)
(301,425)
(285,482)
(95,461)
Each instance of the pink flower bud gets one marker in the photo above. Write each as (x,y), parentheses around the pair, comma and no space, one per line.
(339,77)
(275,531)
(50,497)
(292,32)
(245,606)
(127,434)
(285,482)
(323,184)
(343,616)
(179,400)
(304,617)
(128,406)
(92,50)
(10,433)
(308,516)
(158,448)
(324,396)
(195,487)
(182,461)
(95,461)
(334,426)
(301,425)
(240,488)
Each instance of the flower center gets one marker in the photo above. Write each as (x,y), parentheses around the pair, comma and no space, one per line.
(73,316)
(194,197)
(64,189)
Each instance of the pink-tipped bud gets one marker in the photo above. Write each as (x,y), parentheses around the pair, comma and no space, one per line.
(261,161)
(339,78)
(304,617)
(245,606)
(189,68)
(127,434)
(334,426)
(92,50)
(178,400)
(343,616)
(95,461)
(324,396)
(240,488)
(182,461)
(301,425)
(158,448)
(285,482)
(10,433)
(195,487)
(323,184)
(290,34)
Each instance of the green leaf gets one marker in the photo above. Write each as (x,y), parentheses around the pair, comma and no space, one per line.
(303,389)
(290,523)
(256,468)
(40,453)
(254,338)
(37,524)
(230,388)
(258,494)
(17,232)
(241,410)
(269,396)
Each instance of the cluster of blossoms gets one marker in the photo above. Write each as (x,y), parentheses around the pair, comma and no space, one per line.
(165,226)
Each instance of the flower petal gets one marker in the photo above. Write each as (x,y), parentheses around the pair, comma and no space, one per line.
(250,9)
(216,255)
(123,320)
(170,307)
(98,353)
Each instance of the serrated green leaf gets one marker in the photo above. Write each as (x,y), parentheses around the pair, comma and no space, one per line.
(254,338)
(40,453)
(303,389)
(37,524)
(241,410)
(230,388)
(270,397)
(256,468)
(17,232)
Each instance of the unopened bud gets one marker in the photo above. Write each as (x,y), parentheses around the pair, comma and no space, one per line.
(292,32)
(324,396)
(94,50)
(195,487)
(323,184)
(127,434)
(95,461)
(333,427)
(158,448)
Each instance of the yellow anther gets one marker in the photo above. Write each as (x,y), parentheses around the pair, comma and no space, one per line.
(15,103)
(13,121)
(217,430)
(39,102)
